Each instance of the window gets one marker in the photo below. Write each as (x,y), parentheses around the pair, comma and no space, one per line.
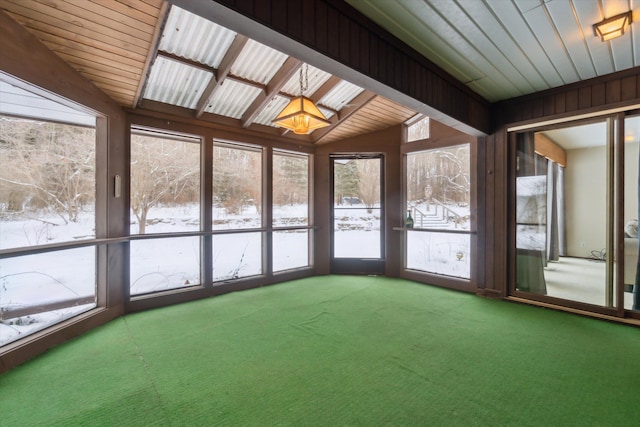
(165,198)
(290,211)
(237,186)
(165,183)
(47,197)
(418,128)
(438,201)
(237,205)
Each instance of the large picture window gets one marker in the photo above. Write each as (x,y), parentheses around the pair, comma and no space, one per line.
(237,186)
(165,198)
(290,211)
(438,203)
(165,183)
(237,205)
(47,212)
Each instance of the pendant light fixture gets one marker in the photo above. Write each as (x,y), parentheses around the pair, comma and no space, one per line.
(301,115)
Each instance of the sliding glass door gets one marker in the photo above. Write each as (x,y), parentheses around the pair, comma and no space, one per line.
(576,190)
(631,213)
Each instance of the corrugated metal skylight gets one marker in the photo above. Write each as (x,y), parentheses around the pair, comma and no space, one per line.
(271,111)
(317,78)
(175,83)
(340,95)
(190,36)
(257,62)
(327,113)
(232,99)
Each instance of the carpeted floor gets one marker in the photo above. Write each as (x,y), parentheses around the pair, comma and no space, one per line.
(335,351)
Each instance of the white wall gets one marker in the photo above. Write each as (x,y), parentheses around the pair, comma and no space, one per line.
(631,179)
(585,197)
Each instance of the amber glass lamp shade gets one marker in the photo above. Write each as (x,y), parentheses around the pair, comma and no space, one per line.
(301,116)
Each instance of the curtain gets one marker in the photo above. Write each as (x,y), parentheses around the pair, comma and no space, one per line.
(556,242)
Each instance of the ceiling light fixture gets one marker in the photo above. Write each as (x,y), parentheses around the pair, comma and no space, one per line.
(613,27)
(301,115)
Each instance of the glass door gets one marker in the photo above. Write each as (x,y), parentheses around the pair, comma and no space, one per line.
(357,245)
(630,215)
(576,211)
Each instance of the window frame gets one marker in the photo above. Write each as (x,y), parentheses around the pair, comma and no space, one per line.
(452,282)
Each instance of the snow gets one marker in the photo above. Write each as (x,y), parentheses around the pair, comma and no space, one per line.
(159,264)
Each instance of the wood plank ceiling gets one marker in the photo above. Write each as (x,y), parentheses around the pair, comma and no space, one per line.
(503,49)
(146,53)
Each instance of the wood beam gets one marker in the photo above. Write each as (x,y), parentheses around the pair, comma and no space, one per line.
(157,36)
(221,73)
(288,69)
(548,148)
(186,61)
(352,107)
(325,88)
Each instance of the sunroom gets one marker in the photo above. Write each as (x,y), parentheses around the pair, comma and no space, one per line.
(145,162)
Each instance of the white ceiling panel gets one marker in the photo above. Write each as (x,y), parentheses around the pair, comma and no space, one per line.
(508,49)
(588,12)
(505,48)
(565,21)
(482,50)
(545,31)
(537,60)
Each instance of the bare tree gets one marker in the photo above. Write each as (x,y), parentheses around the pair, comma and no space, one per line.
(441,174)
(290,180)
(162,171)
(369,182)
(237,178)
(47,166)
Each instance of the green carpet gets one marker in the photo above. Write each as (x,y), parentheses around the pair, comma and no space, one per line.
(335,351)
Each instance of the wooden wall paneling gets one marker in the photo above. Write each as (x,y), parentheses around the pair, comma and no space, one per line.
(601,93)
(560,104)
(584,97)
(502,217)
(279,15)
(307,17)
(387,142)
(548,105)
(481,214)
(628,88)
(294,20)
(612,91)
(598,94)
(320,27)
(333,38)
(322,214)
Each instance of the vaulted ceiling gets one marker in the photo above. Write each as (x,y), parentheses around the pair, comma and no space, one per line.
(150,54)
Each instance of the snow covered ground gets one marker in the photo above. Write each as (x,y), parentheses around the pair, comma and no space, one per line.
(168,263)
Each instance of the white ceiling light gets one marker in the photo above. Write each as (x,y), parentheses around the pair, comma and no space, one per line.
(613,27)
